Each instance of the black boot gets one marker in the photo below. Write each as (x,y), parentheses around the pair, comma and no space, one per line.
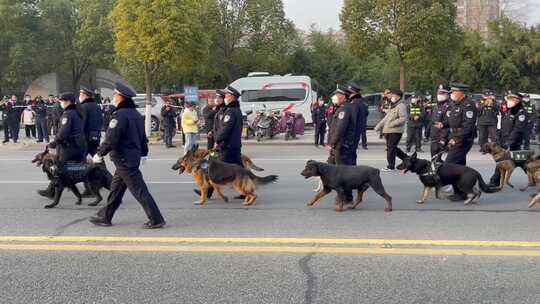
(48,193)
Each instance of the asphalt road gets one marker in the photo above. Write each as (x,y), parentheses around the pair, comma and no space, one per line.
(278,251)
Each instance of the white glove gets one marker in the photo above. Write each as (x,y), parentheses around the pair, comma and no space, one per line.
(97,159)
(143,160)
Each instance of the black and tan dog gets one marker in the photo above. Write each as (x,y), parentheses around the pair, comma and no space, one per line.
(506,163)
(459,176)
(96,175)
(208,171)
(346,178)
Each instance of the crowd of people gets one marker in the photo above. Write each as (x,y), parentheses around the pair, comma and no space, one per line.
(39,117)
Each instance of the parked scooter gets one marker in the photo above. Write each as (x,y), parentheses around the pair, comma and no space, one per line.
(266,122)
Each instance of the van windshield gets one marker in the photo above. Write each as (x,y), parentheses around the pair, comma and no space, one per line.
(277,95)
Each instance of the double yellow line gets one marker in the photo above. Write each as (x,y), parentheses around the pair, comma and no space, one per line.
(270,245)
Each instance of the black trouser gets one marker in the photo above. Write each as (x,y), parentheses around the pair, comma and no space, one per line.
(92,147)
(414,136)
(14,129)
(210,142)
(363,137)
(42,129)
(437,148)
(392,142)
(345,156)
(130,178)
(168,135)
(527,138)
(457,154)
(5,126)
(485,133)
(427,129)
(30,131)
(320,131)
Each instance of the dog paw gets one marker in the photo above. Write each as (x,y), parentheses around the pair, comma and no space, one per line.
(420,202)
(198,203)
(94,204)
(78,203)
(49,206)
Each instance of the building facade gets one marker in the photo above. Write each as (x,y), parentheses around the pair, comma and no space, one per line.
(476,14)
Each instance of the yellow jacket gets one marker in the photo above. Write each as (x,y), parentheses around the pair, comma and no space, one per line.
(189,121)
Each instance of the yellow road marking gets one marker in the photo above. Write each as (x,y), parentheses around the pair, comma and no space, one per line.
(274,250)
(297,241)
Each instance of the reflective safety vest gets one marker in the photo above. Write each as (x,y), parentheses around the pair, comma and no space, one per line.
(529,108)
(415,110)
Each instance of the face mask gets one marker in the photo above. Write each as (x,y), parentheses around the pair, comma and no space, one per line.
(414,101)
(335,100)
(454,98)
(395,99)
(63,105)
(442,97)
(526,99)
(512,103)
(27,99)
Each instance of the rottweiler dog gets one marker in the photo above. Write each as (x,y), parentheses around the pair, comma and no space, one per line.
(208,172)
(506,164)
(96,175)
(346,178)
(459,176)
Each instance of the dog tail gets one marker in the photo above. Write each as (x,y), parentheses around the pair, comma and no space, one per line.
(264,180)
(486,188)
(249,164)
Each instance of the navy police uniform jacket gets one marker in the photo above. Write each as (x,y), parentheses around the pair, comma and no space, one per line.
(69,141)
(439,115)
(362,112)
(229,132)
(125,138)
(92,118)
(343,127)
(514,127)
(461,120)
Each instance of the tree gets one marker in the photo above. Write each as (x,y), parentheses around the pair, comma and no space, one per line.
(413,28)
(79,31)
(155,33)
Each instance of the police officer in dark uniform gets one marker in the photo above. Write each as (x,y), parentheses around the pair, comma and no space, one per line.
(439,133)
(92,120)
(461,121)
(12,114)
(362,112)
(341,138)
(487,119)
(415,123)
(209,114)
(70,142)
(514,128)
(318,115)
(229,134)
(41,121)
(6,107)
(429,105)
(127,143)
(168,114)
(531,112)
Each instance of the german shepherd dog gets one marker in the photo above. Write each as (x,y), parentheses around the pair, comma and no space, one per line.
(218,174)
(533,173)
(459,176)
(345,178)
(506,165)
(97,176)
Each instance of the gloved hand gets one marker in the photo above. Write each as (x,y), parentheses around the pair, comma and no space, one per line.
(97,159)
(143,160)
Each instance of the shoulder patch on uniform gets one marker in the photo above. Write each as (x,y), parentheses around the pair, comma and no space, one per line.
(113,123)
(448,113)
(522,118)
(64,120)
(470,114)
(341,115)
(226,118)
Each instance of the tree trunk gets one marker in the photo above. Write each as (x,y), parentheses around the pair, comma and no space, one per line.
(402,75)
(148,110)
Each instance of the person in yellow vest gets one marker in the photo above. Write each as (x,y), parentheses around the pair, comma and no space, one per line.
(415,124)
(531,110)
(190,128)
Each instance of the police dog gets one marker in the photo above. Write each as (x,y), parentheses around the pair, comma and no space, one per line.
(459,176)
(533,173)
(346,178)
(506,165)
(97,177)
(214,173)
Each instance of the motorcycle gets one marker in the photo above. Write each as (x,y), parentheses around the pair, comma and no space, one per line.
(265,124)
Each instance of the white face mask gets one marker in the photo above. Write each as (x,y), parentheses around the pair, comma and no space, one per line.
(395,99)
(414,100)
(63,105)
(335,100)
(442,97)
(512,103)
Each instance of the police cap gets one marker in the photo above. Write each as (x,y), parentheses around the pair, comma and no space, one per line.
(68,96)
(460,87)
(354,88)
(444,89)
(86,91)
(343,91)
(511,94)
(220,93)
(488,92)
(124,90)
(232,91)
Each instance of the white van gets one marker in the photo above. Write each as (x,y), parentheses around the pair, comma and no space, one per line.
(276,93)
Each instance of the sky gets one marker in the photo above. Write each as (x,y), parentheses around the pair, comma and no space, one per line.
(325,13)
